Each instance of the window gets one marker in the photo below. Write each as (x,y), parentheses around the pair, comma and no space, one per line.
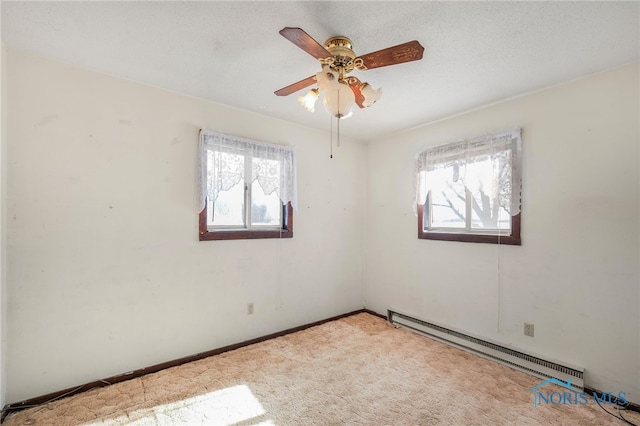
(470,190)
(248,188)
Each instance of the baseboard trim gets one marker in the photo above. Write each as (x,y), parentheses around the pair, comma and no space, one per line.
(39,400)
(374,313)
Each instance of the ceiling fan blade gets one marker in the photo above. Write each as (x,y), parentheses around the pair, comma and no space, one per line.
(305,42)
(406,52)
(292,88)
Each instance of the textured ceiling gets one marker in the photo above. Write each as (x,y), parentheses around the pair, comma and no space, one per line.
(230,52)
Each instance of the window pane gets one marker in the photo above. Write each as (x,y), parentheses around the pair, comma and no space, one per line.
(225,169)
(444,215)
(447,198)
(486,212)
(498,218)
(228,209)
(266,210)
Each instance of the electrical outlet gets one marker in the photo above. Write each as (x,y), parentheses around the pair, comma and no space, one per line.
(528,329)
(250,309)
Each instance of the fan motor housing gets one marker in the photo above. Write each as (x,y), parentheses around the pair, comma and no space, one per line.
(342,55)
(340,46)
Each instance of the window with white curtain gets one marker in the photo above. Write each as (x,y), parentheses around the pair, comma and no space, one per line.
(247,188)
(471,190)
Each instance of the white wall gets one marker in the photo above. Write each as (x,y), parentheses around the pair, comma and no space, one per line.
(576,274)
(106,271)
(3,220)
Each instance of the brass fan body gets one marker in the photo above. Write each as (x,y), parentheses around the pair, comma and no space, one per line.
(343,59)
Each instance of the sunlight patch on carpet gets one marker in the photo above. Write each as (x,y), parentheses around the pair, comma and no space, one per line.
(226,406)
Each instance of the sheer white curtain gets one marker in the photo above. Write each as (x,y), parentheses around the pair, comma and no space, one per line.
(273,166)
(503,150)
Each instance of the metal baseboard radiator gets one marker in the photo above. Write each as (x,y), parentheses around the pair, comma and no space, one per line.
(533,365)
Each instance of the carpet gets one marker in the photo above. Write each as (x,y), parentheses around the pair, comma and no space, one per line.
(358,370)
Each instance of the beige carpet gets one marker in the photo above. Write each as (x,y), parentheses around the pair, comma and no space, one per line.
(355,371)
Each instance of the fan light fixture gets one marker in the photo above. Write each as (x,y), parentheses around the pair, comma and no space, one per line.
(339,90)
(339,95)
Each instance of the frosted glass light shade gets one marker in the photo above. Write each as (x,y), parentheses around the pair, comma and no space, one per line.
(370,94)
(308,101)
(339,101)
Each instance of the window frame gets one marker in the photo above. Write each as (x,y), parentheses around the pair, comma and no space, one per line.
(286,231)
(470,237)
(468,234)
(211,141)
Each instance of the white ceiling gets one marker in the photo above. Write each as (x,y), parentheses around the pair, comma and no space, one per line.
(230,52)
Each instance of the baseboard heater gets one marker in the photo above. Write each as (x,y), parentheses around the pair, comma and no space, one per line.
(534,365)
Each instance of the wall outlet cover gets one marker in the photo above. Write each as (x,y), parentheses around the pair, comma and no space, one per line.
(528,329)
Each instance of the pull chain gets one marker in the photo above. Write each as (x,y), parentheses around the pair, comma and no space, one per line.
(331,139)
(339,115)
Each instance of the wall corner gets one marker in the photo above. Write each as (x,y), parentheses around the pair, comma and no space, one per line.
(3,238)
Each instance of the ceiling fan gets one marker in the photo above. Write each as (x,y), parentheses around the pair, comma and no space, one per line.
(338,59)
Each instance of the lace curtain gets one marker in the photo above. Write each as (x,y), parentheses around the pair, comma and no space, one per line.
(503,150)
(273,166)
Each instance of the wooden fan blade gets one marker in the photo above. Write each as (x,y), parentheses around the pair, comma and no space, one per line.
(305,42)
(292,88)
(406,52)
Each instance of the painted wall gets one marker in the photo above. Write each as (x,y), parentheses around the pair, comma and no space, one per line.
(576,274)
(3,220)
(106,271)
